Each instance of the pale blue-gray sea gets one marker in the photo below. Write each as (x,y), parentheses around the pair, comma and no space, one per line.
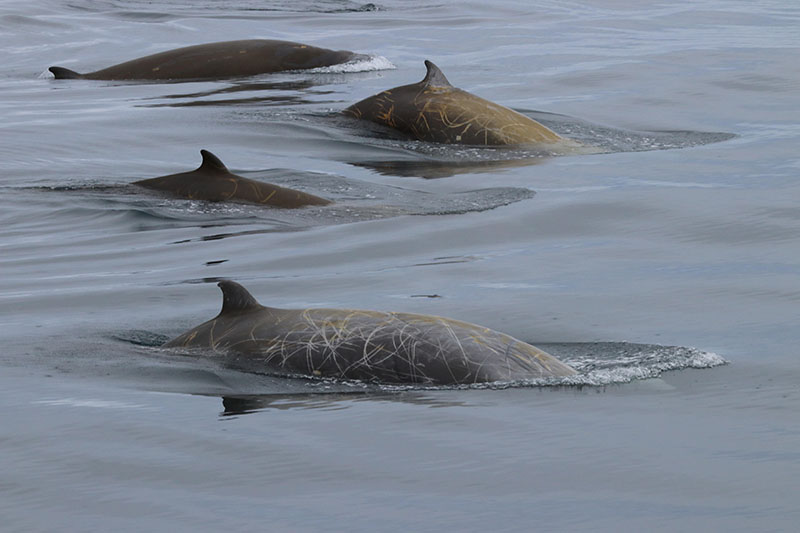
(666,269)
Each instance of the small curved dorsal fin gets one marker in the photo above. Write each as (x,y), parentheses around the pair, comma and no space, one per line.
(434,77)
(235,298)
(62,73)
(211,162)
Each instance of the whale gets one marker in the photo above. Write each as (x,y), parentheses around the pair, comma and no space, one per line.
(433,110)
(213,182)
(228,59)
(372,346)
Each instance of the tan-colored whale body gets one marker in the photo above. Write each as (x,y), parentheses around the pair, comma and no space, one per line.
(365,345)
(218,60)
(435,111)
(213,182)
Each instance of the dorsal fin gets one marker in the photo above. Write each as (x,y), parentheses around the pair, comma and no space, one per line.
(434,77)
(62,73)
(235,298)
(211,162)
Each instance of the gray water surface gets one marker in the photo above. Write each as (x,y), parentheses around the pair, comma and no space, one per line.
(647,265)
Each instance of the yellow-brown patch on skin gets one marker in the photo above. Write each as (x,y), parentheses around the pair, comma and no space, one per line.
(265,200)
(424,122)
(235,183)
(520,357)
(211,335)
(386,116)
(190,338)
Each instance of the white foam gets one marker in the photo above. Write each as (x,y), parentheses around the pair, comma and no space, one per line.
(362,64)
(701,359)
(644,364)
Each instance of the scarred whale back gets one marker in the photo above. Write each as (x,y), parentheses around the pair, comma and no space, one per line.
(433,110)
(366,345)
(213,182)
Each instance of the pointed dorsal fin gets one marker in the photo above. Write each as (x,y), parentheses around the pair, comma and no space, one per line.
(211,162)
(434,77)
(235,298)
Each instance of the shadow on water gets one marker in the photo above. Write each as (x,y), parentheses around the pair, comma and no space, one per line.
(241,405)
(433,169)
(353,201)
(608,139)
(142,10)
(251,93)
(405,157)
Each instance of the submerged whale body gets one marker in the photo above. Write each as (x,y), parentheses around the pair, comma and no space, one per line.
(365,345)
(218,60)
(213,182)
(433,110)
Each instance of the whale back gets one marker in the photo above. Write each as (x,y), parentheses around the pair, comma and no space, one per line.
(239,307)
(404,348)
(366,345)
(433,110)
(218,60)
(213,182)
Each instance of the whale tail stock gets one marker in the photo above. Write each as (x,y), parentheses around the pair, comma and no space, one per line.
(62,73)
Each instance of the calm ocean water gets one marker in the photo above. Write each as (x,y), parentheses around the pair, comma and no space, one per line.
(647,266)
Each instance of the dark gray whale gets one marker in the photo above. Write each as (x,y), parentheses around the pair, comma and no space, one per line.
(218,60)
(213,182)
(365,345)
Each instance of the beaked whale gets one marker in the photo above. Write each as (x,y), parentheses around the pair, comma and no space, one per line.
(365,345)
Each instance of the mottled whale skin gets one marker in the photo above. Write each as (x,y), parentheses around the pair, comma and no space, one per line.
(365,345)
(435,111)
(213,182)
(218,60)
